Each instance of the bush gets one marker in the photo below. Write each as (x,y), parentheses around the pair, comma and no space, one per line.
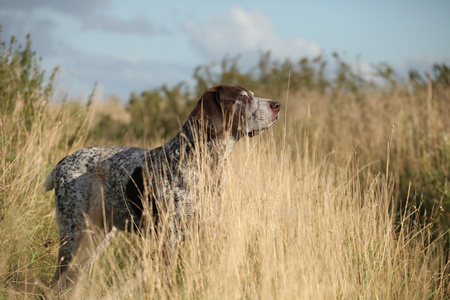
(23,88)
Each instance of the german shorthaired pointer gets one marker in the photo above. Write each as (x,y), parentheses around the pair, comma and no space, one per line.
(105,186)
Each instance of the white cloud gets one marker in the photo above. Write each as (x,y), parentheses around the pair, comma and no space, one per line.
(246,33)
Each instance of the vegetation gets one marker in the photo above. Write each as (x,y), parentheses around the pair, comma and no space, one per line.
(347,196)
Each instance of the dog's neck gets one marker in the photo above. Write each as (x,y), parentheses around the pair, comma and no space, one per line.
(193,141)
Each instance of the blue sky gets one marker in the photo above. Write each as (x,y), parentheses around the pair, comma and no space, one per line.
(130,46)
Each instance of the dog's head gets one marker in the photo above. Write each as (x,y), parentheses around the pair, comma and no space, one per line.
(232,108)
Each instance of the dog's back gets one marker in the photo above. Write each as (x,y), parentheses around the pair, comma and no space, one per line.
(95,176)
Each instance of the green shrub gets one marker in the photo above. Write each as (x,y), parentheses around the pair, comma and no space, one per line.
(23,87)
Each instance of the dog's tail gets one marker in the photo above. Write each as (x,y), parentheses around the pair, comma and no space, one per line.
(49,182)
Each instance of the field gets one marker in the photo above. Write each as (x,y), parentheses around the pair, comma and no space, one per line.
(346,197)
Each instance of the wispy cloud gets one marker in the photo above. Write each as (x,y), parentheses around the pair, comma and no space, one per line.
(79,8)
(91,14)
(42,31)
(138,25)
(241,32)
(119,75)
(81,66)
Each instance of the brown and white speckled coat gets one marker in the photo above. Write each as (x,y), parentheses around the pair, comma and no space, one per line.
(110,186)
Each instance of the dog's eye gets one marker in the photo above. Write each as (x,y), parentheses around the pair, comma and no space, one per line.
(243,98)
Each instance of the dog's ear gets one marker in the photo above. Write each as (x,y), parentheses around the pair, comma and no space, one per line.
(208,111)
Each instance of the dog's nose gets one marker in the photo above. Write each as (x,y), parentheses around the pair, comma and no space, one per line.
(275,106)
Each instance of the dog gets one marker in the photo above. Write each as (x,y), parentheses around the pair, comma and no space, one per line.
(109,187)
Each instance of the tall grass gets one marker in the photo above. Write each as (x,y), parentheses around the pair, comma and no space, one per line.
(294,218)
(326,204)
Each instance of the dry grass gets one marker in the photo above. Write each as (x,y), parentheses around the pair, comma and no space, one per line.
(307,211)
